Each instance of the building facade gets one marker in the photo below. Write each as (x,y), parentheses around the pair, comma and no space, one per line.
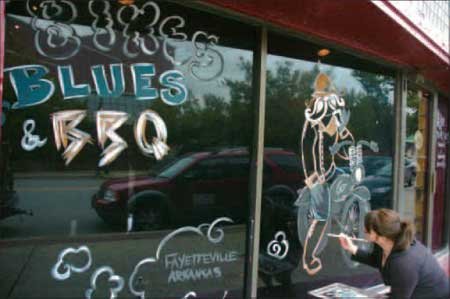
(173,149)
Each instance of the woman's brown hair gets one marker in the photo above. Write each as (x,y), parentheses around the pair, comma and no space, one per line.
(387,223)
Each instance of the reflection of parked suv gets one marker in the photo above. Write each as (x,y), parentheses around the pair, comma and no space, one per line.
(194,188)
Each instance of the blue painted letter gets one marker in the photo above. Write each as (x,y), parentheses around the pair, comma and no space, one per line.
(101,84)
(176,92)
(29,86)
(142,75)
(67,84)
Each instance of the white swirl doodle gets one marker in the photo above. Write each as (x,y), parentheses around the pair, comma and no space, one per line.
(173,35)
(29,141)
(279,247)
(199,230)
(204,61)
(212,229)
(57,35)
(68,268)
(134,37)
(105,15)
(113,278)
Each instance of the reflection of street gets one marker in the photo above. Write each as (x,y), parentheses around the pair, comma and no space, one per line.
(60,206)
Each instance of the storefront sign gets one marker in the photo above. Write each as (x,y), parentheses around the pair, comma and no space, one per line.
(58,37)
(193,267)
(31,87)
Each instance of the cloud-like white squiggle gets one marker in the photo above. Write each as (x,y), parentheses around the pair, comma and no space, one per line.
(68,268)
(102,14)
(211,232)
(136,41)
(207,63)
(57,40)
(112,278)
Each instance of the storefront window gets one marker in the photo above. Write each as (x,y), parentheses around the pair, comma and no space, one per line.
(126,131)
(439,206)
(334,120)
(414,207)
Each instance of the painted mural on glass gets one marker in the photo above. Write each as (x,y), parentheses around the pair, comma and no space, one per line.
(118,106)
(328,197)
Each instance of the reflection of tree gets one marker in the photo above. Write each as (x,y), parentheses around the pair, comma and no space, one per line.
(287,93)
(372,113)
(376,86)
(413,100)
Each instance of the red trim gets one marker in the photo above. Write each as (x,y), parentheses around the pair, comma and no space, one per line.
(357,24)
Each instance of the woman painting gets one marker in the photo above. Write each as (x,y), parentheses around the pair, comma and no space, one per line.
(406,265)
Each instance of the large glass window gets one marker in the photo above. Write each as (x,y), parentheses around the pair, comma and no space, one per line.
(414,205)
(109,108)
(439,239)
(336,117)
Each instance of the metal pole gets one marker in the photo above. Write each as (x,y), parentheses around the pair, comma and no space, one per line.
(401,94)
(256,175)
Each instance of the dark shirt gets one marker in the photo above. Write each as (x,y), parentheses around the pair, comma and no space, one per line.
(411,273)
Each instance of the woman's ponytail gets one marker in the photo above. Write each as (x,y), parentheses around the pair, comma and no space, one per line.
(387,223)
(405,236)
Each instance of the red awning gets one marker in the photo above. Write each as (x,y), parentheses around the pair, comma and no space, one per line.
(356,24)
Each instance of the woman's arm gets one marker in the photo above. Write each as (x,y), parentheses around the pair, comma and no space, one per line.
(368,257)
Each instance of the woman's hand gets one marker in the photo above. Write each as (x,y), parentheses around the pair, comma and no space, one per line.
(347,243)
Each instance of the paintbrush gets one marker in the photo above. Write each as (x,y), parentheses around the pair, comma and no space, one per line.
(351,238)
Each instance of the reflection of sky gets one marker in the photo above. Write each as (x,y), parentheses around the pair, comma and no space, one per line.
(341,77)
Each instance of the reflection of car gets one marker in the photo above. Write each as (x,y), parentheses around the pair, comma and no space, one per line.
(195,188)
(410,172)
(379,182)
(373,164)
